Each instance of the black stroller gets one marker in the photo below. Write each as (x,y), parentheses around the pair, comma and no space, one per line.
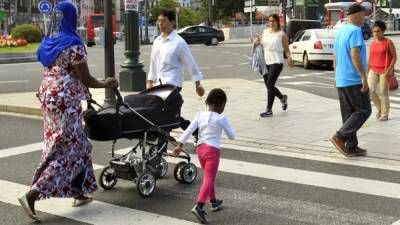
(147,117)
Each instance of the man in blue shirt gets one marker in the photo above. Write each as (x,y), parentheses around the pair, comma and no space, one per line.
(351,82)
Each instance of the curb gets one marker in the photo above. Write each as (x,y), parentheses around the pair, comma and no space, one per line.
(18,57)
(21,110)
(240,140)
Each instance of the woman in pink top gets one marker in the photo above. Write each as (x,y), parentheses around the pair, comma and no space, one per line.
(382,58)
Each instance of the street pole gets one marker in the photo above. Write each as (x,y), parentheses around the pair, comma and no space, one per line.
(251,20)
(131,76)
(209,13)
(146,20)
(177,21)
(374,9)
(109,64)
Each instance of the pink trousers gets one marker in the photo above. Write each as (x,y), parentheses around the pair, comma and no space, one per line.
(209,160)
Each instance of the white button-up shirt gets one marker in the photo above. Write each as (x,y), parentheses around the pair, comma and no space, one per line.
(168,56)
(210,125)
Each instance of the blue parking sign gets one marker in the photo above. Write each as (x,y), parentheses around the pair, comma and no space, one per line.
(45,7)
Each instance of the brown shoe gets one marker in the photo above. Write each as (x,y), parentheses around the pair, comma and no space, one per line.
(339,144)
(358,152)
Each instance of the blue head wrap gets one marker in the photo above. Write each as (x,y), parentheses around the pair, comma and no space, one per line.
(61,33)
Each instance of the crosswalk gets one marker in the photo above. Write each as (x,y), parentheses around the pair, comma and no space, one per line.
(245,182)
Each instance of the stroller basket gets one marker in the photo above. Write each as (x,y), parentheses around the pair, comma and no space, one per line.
(159,106)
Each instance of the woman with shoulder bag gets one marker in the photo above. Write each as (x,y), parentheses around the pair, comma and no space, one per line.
(382,58)
(274,42)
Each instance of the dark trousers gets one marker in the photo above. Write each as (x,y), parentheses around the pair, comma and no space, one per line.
(355,107)
(274,70)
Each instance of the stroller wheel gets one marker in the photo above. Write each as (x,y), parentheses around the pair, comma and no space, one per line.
(163,167)
(107,178)
(189,173)
(146,184)
(177,171)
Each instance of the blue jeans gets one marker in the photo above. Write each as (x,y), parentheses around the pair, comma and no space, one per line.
(355,107)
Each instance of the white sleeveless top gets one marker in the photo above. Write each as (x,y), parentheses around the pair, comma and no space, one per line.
(273,48)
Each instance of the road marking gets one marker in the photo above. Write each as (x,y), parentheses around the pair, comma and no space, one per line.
(245,63)
(13,81)
(97,212)
(394,105)
(394,98)
(223,66)
(204,68)
(21,150)
(310,84)
(316,179)
(34,69)
(19,64)
(286,77)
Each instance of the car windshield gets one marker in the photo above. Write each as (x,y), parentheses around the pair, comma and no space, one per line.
(325,34)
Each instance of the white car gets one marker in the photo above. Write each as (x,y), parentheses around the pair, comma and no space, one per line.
(313,46)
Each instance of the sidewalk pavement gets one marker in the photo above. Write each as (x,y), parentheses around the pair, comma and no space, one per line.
(304,128)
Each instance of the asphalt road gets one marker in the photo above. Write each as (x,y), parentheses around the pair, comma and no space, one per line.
(222,61)
(258,186)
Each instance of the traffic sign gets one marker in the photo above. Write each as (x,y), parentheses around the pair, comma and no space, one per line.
(44,7)
(177,9)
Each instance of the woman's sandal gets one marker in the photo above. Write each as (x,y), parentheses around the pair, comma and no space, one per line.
(23,200)
(79,202)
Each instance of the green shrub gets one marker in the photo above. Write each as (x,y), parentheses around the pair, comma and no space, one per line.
(27,31)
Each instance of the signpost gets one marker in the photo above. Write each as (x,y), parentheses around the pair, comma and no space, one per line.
(131,5)
(45,8)
(177,9)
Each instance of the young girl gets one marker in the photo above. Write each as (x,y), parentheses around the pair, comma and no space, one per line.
(210,125)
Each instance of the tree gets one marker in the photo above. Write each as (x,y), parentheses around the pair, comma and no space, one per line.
(222,10)
(186,16)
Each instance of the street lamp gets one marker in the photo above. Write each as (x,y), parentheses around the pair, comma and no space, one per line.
(131,76)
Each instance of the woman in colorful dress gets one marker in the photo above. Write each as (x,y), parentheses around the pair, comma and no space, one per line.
(65,169)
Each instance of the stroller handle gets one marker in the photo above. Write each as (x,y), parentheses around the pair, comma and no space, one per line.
(118,94)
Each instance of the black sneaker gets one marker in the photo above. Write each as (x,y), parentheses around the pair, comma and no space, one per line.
(284,102)
(199,213)
(267,113)
(216,205)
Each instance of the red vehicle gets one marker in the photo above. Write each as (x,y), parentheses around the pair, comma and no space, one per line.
(94,21)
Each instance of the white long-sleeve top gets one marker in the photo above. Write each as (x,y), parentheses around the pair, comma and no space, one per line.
(210,125)
(168,56)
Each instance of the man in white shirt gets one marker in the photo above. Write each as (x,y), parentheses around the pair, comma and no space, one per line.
(168,56)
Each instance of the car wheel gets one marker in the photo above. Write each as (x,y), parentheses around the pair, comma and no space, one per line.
(306,62)
(214,41)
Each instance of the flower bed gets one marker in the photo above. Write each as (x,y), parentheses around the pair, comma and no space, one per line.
(8,41)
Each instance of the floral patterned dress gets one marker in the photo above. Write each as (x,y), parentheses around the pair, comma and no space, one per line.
(66,168)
